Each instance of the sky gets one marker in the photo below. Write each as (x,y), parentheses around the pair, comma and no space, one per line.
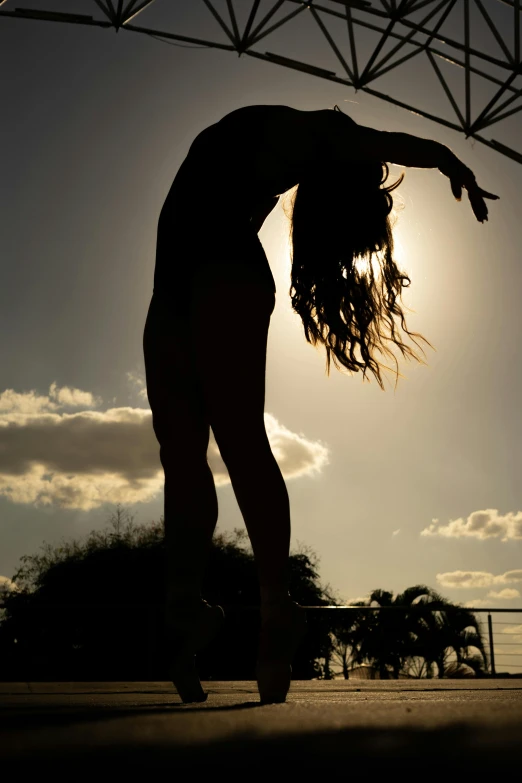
(418,484)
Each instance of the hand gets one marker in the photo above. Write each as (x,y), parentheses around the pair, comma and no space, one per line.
(462,177)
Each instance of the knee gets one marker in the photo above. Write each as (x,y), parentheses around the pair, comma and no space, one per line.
(244,450)
(175,459)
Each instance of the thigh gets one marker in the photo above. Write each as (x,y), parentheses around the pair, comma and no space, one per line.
(179,415)
(229,322)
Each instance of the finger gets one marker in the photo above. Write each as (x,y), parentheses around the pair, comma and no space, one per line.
(456,189)
(479,208)
(485,194)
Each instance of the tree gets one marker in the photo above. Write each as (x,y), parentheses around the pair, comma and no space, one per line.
(93,608)
(416,631)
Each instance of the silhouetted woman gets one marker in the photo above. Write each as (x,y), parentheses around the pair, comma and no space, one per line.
(206,334)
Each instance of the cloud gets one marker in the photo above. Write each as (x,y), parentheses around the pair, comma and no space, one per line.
(507,594)
(31,402)
(476,602)
(137,380)
(7,585)
(515,629)
(84,459)
(475,579)
(396,532)
(480,524)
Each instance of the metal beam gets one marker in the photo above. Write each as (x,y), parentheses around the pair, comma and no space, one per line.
(391,20)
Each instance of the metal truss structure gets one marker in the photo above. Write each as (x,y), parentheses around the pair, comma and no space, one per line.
(402,30)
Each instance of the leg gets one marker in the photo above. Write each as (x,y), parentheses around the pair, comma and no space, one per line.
(232,376)
(182,429)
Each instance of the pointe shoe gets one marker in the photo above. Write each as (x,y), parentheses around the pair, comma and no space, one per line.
(282,630)
(189,630)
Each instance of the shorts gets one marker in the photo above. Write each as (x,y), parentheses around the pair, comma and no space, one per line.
(224,255)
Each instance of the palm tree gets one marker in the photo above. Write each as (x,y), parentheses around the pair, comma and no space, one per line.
(443,629)
(386,638)
(415,625)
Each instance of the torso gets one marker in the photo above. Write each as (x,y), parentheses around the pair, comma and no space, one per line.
(253,154)
(259,149)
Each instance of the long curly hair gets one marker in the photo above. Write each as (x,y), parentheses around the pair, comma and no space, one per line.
(340,226)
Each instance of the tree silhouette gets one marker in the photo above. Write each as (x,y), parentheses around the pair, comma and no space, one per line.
(417,631)
(93,609)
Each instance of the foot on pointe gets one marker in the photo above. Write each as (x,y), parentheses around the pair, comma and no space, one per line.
(283,627)
(189,629)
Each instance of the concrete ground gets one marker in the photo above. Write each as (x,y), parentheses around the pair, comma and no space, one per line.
(325,726)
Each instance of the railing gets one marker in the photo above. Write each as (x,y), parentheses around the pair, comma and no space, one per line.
(512,630)
(504,637)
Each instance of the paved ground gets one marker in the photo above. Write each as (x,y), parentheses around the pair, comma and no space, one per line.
(381,727)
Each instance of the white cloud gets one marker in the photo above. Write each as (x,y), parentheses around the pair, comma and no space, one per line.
(85,459)
(31,402)
(358,599)
(477,602)
(7,585)
(478,578)
(483,524)
(396,532)
(507,594)
(515,629)
(137,380)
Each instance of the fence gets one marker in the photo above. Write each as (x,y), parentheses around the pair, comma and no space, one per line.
(503,641)
(512,631)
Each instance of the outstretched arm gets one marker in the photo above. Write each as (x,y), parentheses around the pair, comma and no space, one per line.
(408,150)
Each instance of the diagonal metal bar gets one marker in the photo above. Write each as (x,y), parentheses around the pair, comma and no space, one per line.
(447,90)
(420,46)
(219,20)
(367,69)
(490,24)
(250,21)
(145,4)
(494,112)
(509,2)
(129,7)
(484,113)
(516,94)
(119,13)
(111,7)
(53,16)
(516,27)
(408,23)
(233,20)
(443,55)
(353,50)
(501,117)
(331,42)
(185,38)
(268,16)
(461,64)
(417,6)
(504,150)
(467,80)
(405,40)
(297,65)
(281,22)
(407,106)
(105,10)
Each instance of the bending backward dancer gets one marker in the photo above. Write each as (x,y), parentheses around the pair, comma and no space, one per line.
(206,335)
